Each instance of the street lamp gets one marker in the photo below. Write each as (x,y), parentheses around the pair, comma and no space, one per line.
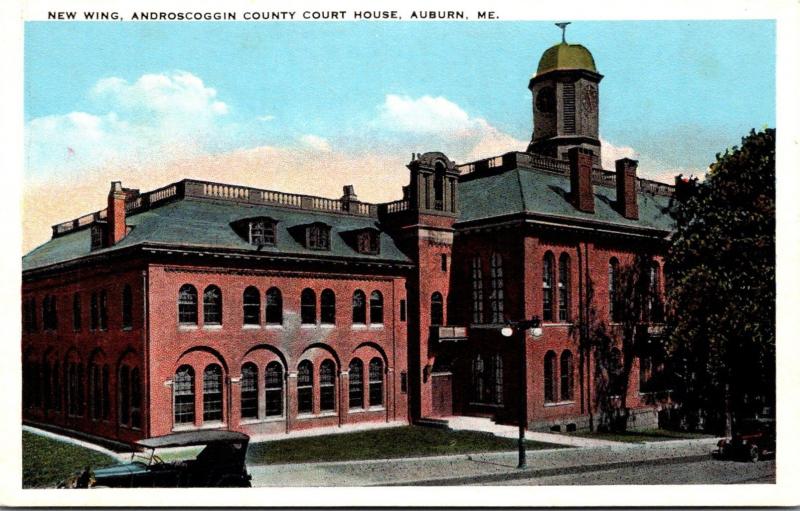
(535,326)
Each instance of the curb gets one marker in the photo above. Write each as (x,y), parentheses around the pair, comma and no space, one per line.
(532,473)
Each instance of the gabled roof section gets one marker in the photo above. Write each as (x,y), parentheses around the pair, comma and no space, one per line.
(517,184)
(193,220)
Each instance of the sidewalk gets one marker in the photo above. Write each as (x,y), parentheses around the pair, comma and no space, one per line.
(478,468)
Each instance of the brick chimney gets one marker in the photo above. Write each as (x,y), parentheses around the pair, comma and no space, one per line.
(117,229)
(349,197)
(626,188)
(580,179)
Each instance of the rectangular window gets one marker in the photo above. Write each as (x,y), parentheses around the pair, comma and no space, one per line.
(497,298)
(404,382)
(444,262)
(402,310)
(477,291)
(262,232)
(368,242)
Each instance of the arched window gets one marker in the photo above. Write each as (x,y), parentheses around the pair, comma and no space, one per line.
(477,290)
(305,387)
(106,394)
(563,288)
(212,306)
(57,386)
(136,398)
(124,395)
(103,310)
(327,307)
(273,390)
(566,376)
(376,308)
(127,307)
(613,290)
(327,386)
(95,391)
(47,381)
(76,311)
(274,306)
(187,305)
(308,307)
(547,286)
(550,377)
(212,393)
(356,394)
(251,306)
(359,307)
(183,395)
(437,309)
(376,382)
(249,384)
(94,312)
(74,391)
(496,297)
(438,187)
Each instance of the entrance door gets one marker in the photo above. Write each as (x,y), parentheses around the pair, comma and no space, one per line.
(486,392)
(442,389)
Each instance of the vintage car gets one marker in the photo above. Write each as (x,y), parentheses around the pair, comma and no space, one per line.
(220,464)
(752,439)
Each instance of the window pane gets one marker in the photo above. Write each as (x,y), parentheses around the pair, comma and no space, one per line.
(549,376)
(308,307)
(183,392)
(356,384)
(273,386)
(305,387)
(563,288)
(359,307)
(249,386)
(477,291)
(376,308)
(437,309)
(274,306)
(124,395)
(496,299)
(547,287)
(251,306)
(212,393)
(376,382)
(327,386)
(566,376)
(187,305)
(328,307)
(212,306)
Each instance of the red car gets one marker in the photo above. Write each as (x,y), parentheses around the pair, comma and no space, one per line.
(753,439)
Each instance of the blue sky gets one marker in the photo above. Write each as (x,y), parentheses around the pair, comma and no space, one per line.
(143,98)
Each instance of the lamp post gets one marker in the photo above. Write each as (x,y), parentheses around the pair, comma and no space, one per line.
(535,326)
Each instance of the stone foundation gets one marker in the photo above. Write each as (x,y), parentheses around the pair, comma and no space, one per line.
(640,418)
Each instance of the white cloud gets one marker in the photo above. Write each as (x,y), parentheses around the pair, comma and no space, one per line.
(439,124)
(316,143)
(266,118)
(610,153)
(156,117)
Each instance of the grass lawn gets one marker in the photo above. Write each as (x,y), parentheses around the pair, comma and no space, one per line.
(401,442)
(45,461)
(645,435)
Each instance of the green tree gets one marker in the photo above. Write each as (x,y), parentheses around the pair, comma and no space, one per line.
(720,273)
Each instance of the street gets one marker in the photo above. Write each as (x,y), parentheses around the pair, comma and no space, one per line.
(699,472)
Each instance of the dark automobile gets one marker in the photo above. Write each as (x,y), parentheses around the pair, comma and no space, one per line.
(221,463)
(752,439)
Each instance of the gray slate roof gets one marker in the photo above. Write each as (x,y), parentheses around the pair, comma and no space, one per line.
(206,224)
(523,190)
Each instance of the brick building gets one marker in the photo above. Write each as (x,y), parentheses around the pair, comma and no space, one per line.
(207,305)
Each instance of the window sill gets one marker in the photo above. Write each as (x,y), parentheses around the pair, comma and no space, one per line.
(328,413)
(308,325)
(558,403)
(274,327)
(380,408)
(192,427)
(359,326)
(251,327)
(376,326)
(127,328)
(556,324)
(303,416)
(187,328)
(357,410)
(327,325)
(212,327)
(276,418)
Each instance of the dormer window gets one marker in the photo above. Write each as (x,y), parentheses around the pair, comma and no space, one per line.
(98,235)
(318,237)
(258,231)
(262,231)
(368,242)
